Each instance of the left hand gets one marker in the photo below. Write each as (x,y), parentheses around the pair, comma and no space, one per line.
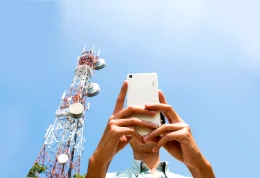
(175,137)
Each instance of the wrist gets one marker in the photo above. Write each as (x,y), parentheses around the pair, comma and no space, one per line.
(97,168)
(202,168)
(98,159)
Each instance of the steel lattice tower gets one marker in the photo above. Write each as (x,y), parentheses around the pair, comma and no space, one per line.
(64,140)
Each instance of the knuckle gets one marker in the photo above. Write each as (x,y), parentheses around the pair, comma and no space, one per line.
(111,123)
(187,133)
(135,120)
(112,117)
(132,119)
(168,106)
(166,126)
(113,130)
(187,128)
(130,108)
(167,136)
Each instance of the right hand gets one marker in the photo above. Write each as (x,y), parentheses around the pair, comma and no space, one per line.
(120,128)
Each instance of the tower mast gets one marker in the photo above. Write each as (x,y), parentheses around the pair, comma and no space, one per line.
(60,154)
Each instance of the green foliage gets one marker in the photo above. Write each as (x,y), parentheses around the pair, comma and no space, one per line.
(79,176)
(36,169)
(40,169)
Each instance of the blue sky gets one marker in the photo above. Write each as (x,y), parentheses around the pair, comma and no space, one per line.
(206,53)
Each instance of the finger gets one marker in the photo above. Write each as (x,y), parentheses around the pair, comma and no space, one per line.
(129,111)
(121,98)
(154,140)
(171,115)
(120,131)
(161,97)
(159,107)
(163,129)
(132,122)
(129,137)
(166,138)
(126,138)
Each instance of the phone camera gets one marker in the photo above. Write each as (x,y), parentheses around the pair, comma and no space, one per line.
(130,76)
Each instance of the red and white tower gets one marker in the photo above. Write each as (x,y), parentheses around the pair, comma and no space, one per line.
(60,154)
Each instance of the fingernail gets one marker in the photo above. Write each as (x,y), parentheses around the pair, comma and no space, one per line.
(156,125)
(145,138)
(153,112)
(154,150)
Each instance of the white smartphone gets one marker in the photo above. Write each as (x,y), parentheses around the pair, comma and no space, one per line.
(143,89)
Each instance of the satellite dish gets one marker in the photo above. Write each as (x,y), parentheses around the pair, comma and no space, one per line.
(76,110)
(63,158)
(93,90)
(100,64)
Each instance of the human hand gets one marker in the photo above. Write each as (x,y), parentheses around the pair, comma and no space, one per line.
(120,128)
(175,137)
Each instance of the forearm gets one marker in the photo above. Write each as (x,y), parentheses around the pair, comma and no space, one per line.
(97,168)
(202,169)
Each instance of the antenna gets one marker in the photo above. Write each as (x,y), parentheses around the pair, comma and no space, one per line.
(84,49)
(63,147)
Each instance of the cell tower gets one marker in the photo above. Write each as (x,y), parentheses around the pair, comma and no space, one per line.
(60,154)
